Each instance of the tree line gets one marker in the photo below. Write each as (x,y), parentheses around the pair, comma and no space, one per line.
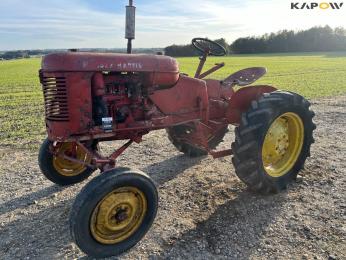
(21,54)
(188,50)
(312,40)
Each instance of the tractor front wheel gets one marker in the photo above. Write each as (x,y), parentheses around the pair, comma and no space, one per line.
(62,171)
(273,141)
(113,212)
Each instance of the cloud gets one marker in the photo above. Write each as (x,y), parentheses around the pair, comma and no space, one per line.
(58,24)
(91,23)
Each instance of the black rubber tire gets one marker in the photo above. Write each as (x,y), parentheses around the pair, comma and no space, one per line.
(189,149)
(90,196)
(250,134)
(45,161)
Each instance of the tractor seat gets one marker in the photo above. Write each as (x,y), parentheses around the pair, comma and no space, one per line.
(246,76)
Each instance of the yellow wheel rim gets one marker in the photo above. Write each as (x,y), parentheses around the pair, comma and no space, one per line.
(118,215)
(283,144)
(66,167)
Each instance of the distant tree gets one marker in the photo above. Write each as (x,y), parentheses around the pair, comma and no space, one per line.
(9,55)
(180,51)
(313,39)
(224,43)
(189,50)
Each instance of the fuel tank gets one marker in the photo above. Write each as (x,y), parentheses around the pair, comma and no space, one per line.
(84,61)
(158,69)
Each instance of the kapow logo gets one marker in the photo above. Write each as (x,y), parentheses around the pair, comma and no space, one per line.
(314,5)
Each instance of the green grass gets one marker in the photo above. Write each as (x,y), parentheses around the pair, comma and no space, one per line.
(310,74)
(21,105)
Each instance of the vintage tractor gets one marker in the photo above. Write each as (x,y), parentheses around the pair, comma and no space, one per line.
(90,98)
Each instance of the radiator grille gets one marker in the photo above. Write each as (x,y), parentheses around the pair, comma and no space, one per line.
(55,98)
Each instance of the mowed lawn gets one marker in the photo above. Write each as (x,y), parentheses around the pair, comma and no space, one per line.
(21,104)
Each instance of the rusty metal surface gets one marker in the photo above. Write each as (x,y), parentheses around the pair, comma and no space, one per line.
(212,70)
(188,101)
(202,61)
(185,97)
(241,100)
(160,98)
(93,62)
(76,117)
(246,76)
(219,154)
(207,47)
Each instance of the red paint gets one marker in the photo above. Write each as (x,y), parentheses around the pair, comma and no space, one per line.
(241,100)
(141,93)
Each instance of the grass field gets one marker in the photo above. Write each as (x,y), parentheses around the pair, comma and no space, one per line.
(21,105)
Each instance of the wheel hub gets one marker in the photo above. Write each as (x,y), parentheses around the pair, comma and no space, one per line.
(118,215)
(121,215)
(282,144)
(66,167)
(277,141)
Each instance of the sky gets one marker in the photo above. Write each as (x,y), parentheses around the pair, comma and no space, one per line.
(52,24)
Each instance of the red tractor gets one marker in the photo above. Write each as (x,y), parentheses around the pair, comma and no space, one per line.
(90,98)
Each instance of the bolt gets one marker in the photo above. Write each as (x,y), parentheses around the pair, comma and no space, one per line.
(121,215)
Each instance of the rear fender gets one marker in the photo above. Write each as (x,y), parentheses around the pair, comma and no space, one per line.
(241,100)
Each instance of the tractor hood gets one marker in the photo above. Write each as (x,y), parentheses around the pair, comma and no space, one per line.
(84,61)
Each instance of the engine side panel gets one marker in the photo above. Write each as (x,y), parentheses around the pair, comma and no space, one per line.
(68,104)
(187,96)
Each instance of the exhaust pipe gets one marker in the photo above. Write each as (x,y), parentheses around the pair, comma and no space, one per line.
(130,25)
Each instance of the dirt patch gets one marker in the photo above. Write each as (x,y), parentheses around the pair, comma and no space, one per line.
(205,211)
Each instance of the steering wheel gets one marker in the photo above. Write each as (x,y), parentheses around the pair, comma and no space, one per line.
(208,46)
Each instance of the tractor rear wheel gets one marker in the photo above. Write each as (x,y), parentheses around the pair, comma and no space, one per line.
(62,171)
(273,141)
(113,212)
(176,133)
